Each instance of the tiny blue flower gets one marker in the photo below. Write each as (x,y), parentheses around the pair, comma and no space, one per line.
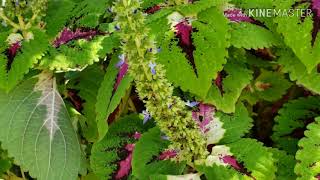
(158,49)
(164,137)
(17,2)
(121,60)
(146,116)
(191,104)
(152,67)
(117,27)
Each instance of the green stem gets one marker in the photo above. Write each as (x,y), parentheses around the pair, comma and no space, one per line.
(7,20)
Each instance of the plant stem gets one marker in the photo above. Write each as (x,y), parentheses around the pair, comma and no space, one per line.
(7,20)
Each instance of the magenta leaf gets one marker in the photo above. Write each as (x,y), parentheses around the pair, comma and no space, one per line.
(167,154)
(67,35)
(122,72)
(203,116)
(232,162)
(316,6)
(184,31)
(153,9)
(236,15)
(125,165)
(13,49)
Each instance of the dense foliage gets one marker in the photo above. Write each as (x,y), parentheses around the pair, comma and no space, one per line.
(159,89)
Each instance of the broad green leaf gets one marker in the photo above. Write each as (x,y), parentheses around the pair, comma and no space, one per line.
(236,125)
(291,121)
(238,77)
(37,130)
(211,41)
(270,86)
(250,36)
(221,173)
(107,99)
(298,72)
(308,156)
(256,158)
(57,16)
(297,33)
(74,55)
(87,83)
(285,164)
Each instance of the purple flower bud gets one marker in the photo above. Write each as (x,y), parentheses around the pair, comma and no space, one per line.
(149,50)
(169,106)
(146,116)
(152,67)
(121,61)
(191,104)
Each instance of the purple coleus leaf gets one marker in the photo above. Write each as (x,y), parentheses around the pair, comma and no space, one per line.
(67,35)
(232,162)
(125,165)
(316,6)
(236,15)
(153,9)
(203,116)
(123,69)
(13,49)
(184,31)
(137,135)
(167,154)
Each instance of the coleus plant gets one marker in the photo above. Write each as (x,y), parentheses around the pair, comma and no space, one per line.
(175,89)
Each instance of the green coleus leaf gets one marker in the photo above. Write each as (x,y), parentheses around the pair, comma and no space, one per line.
(285,164)
(255,158)
(269,86)
(250,36)
(149,146)
(57,15)
(297,34)
(308,156)
(243,159)
(31,52)
(292,120)
(238,77)
(108,151)
(37,130)
(297,71)
(88,13)
(87,90)
(73,55)
(220,173)
(211,41)
(108,98)
(236,125)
